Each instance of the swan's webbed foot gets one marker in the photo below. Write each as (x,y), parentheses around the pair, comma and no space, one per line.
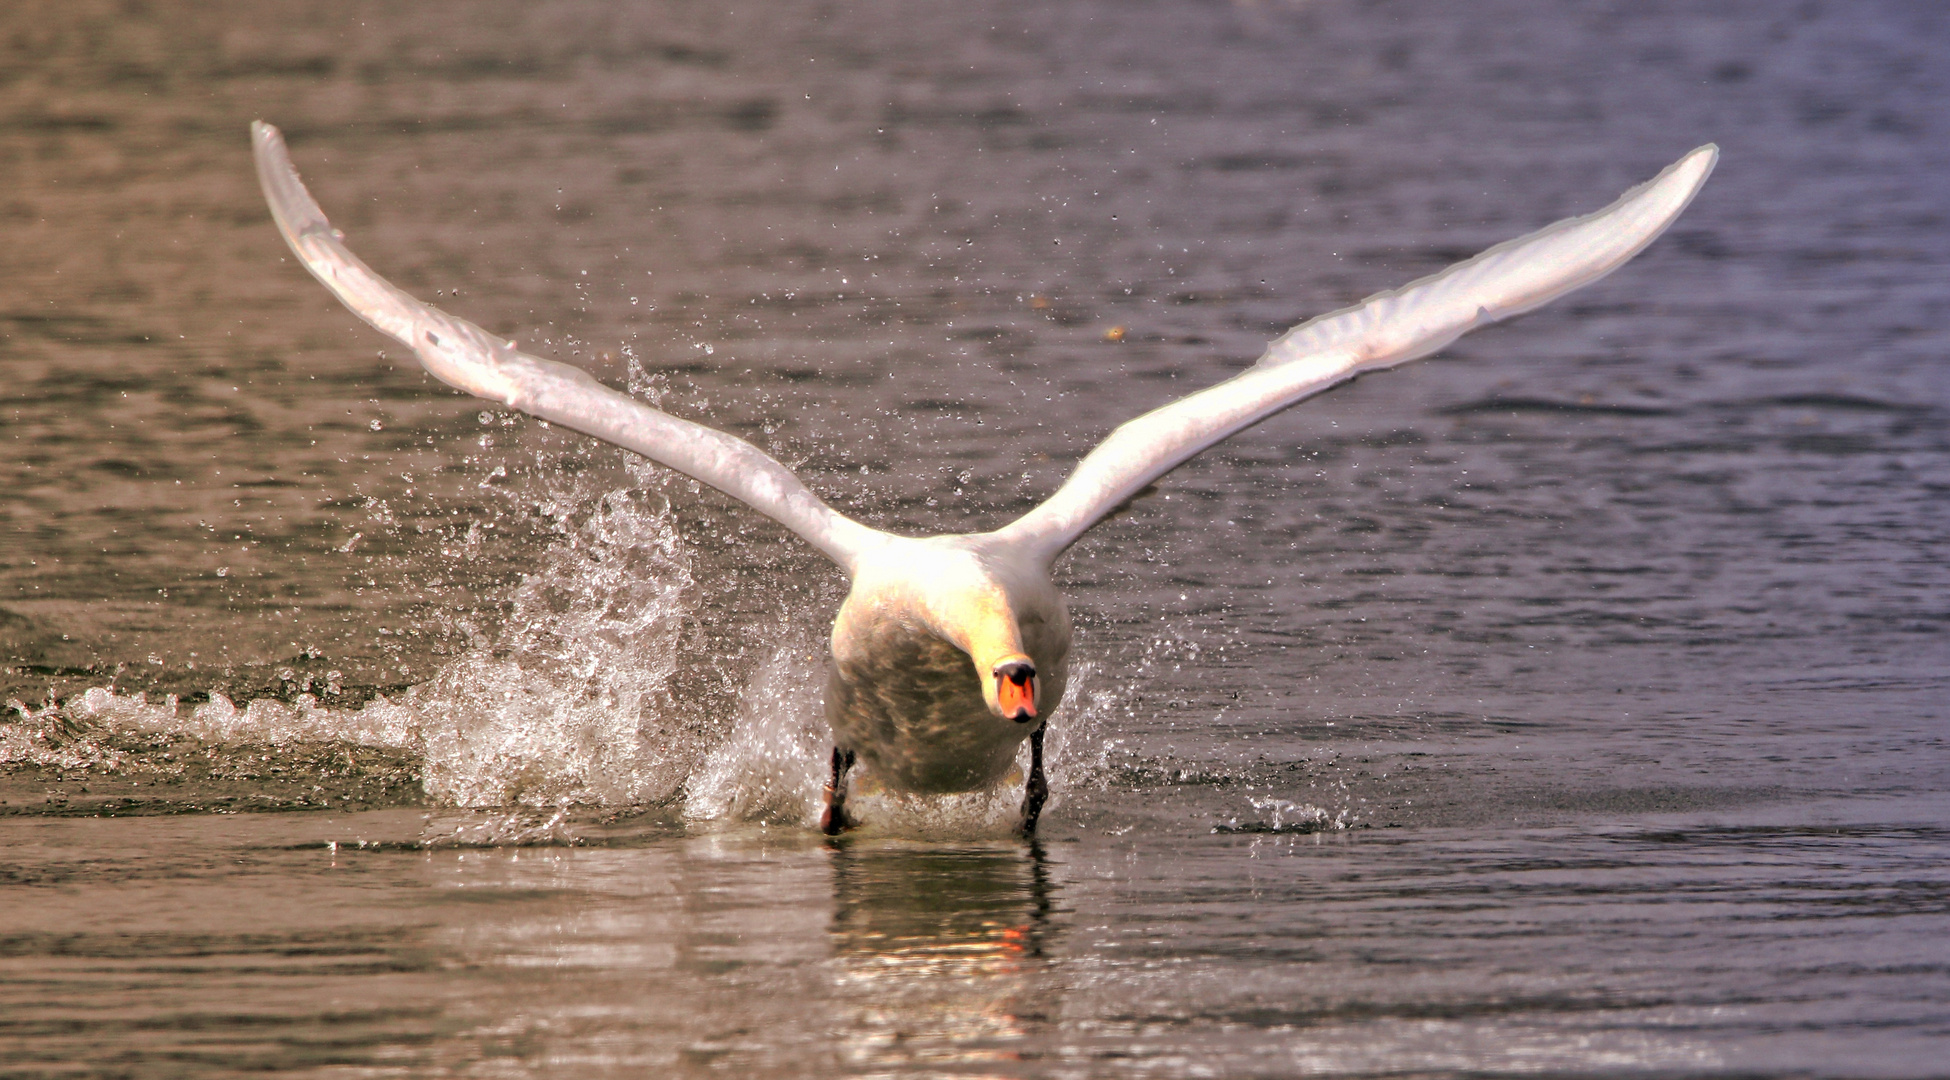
(1035,791)
(832,816)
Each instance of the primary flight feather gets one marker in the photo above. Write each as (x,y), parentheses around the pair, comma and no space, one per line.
(950,650)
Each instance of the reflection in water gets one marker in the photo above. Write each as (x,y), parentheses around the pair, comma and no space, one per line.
(244,945)
(939,950)
(760,951)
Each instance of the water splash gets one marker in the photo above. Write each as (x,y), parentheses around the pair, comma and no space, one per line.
(569,707)
(772,766)
(572,705)
(1076,752)
(519,828)
(1285,816)
(68,735)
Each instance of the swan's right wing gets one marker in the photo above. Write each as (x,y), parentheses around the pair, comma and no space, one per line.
(1382,331)
(462,354)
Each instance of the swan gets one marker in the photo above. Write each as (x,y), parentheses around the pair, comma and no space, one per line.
(949,651)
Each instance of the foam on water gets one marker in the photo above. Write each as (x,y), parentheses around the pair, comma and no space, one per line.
(571,705)
(70,735)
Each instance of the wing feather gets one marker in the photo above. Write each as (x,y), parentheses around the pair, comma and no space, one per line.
(461,354)
(1384,330)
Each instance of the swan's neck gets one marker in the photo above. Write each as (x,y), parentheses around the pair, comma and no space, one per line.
(941,587)
(982,625)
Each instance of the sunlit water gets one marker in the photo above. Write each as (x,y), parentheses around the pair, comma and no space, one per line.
(1571,703)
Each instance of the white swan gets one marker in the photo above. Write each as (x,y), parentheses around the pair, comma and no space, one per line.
(950,650)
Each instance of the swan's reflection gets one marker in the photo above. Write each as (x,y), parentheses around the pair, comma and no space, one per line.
(940,950)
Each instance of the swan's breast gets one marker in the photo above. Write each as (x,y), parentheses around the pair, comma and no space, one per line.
(904,692)
(910,705)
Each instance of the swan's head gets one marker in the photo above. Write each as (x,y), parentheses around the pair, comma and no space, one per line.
(943,588)
(1012,689)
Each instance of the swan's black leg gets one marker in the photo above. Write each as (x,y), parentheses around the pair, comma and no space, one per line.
(832,818)
(1036,791)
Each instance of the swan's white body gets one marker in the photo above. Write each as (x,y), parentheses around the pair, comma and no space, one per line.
(922,627)
(947,647)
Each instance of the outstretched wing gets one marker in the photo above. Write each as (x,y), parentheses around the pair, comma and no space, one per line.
(1381,331)
(461,354)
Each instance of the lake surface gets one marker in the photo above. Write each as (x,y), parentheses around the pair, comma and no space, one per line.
(1569,703)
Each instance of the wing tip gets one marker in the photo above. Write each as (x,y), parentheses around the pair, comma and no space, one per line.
(1689,173)
(292,206)
(267,146)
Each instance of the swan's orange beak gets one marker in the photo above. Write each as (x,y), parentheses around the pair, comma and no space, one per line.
(1015,691)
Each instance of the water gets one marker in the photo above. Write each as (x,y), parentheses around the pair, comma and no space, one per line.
(1571,703)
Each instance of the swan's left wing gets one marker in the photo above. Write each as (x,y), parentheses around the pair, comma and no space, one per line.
(1381,331)
(461,354)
